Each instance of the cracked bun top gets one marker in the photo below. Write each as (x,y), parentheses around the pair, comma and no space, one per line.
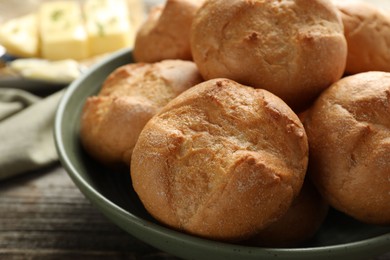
(294,49)
(129,97)
(349,137)
(367,30)
(222,160)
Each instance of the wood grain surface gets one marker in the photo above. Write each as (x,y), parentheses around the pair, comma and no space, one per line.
(44,216)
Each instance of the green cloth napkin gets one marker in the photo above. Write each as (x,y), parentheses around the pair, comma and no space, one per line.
(26,131)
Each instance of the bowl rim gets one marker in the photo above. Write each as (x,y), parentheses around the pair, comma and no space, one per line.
(117,214)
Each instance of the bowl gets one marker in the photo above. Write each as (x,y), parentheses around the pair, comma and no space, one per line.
(112,193)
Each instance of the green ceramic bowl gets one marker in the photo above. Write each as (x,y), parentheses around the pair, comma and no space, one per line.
(340,237)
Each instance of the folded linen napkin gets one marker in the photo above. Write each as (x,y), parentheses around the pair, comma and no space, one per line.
(26,131)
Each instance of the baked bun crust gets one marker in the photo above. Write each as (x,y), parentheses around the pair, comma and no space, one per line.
(294,49)
(165,33)
(221,161)
(301,222)
(367,31)
(130,96)
(349,138)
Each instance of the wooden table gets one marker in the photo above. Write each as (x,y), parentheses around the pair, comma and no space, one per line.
(44,216)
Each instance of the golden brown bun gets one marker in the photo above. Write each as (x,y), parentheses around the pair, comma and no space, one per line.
(303,219)
(367,31)
(294,49)
(221,160)
(130,96)
(349,139)
(165,33)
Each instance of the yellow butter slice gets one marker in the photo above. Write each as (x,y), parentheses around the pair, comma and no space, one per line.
(62,31)
(108,25)
(19,36)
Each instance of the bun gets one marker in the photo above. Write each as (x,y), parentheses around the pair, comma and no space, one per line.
(130,96)
(367,31)
(302,220)
(165,34)
(349,139)
(221,161)
(294,49)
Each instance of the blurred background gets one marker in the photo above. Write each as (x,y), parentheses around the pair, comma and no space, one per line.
(14,8)
(17,33)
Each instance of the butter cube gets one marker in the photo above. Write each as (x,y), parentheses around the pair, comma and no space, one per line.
(20,36)
(108,25)
(62,31)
